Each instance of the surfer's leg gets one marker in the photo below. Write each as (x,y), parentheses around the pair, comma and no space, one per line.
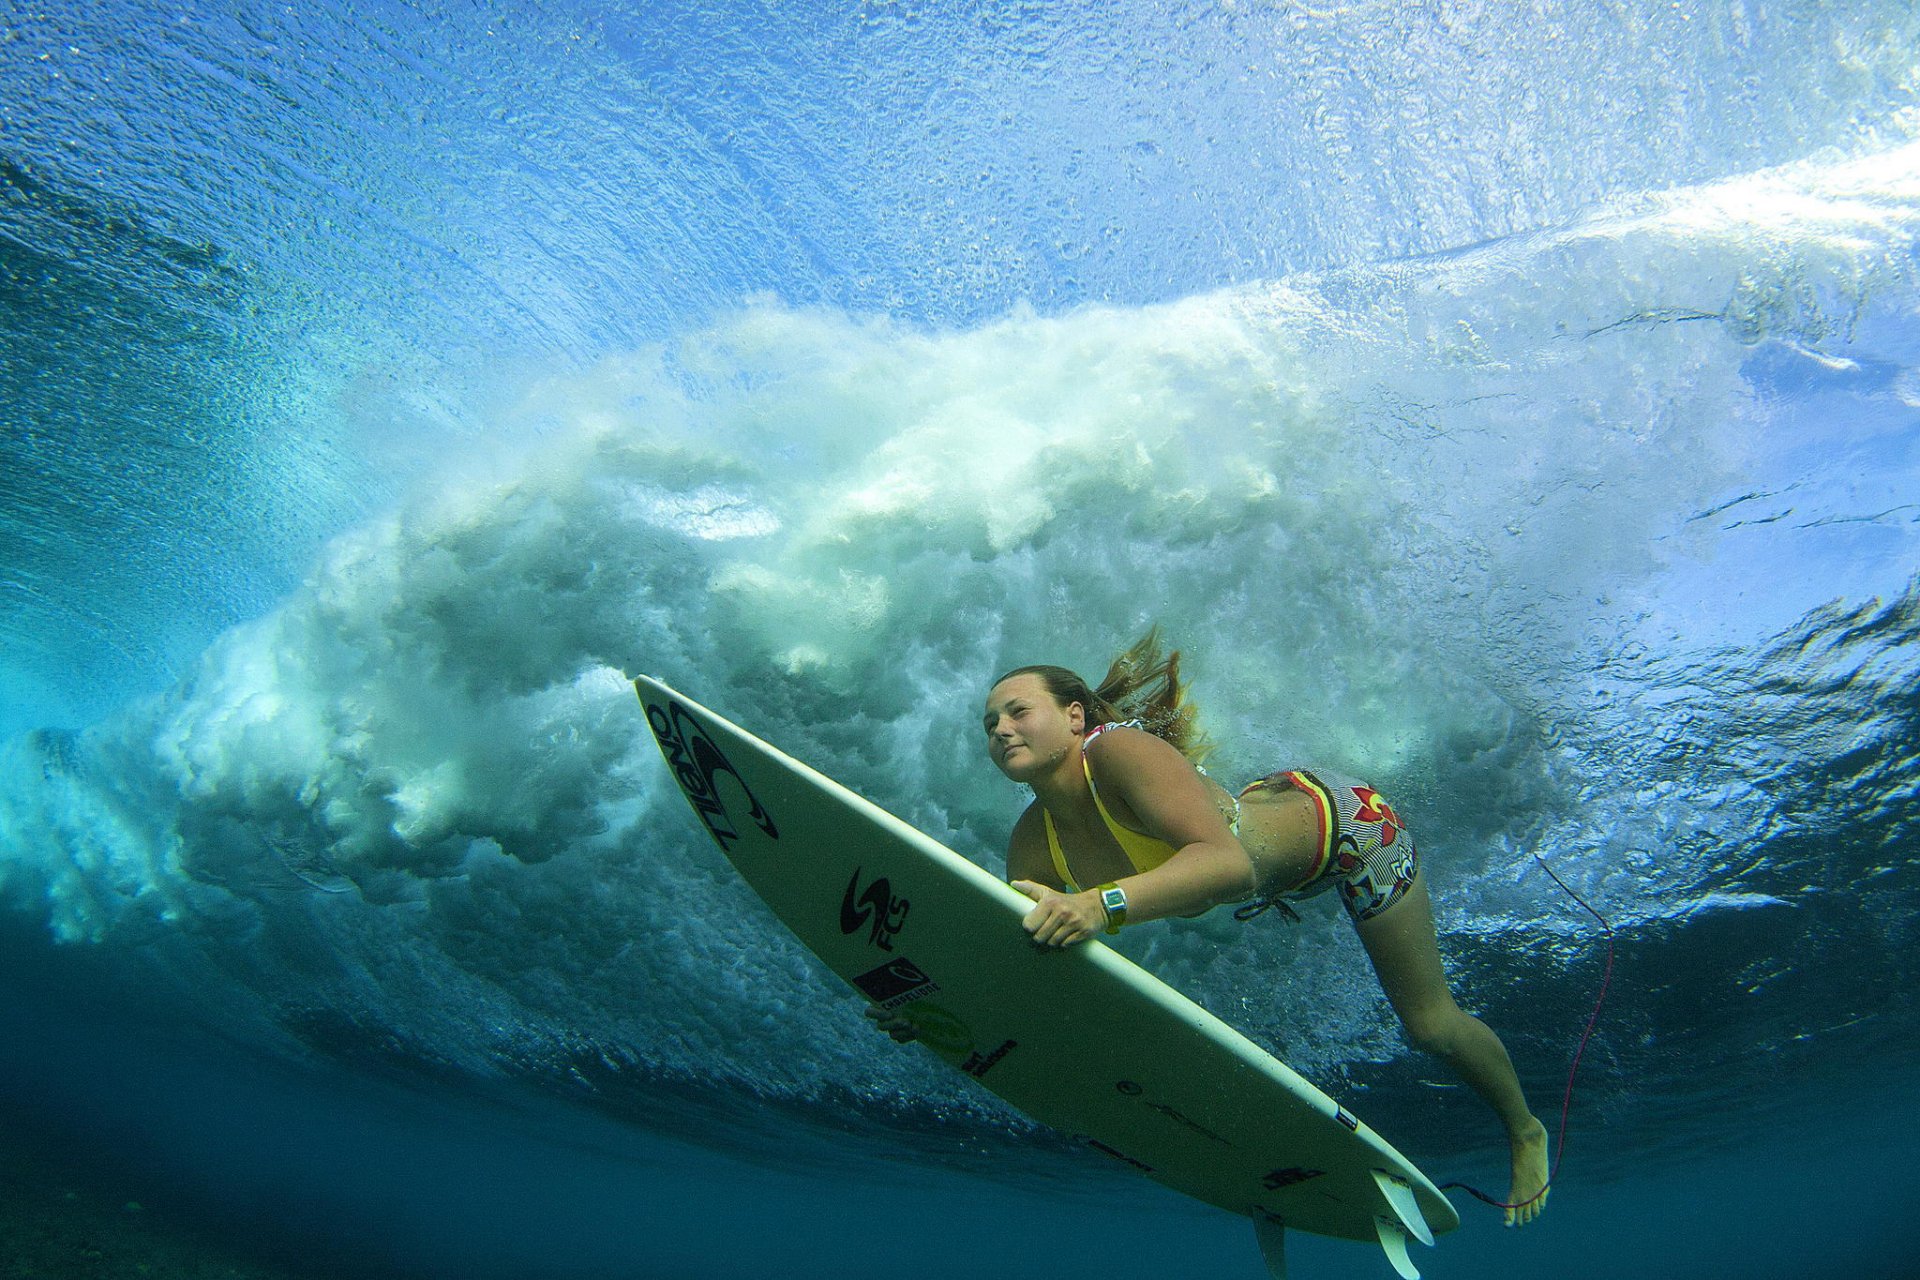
(1406,955)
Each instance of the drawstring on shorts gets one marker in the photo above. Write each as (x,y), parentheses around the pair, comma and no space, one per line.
(1248,910)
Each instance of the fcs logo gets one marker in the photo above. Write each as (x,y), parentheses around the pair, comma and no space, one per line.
(877,908)
(695,760)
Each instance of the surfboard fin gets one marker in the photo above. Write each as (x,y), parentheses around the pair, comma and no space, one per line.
(1273,1246)
(1400,1199)
(1394,1241)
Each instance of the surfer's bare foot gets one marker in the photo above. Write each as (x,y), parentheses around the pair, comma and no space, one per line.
(1529,1192)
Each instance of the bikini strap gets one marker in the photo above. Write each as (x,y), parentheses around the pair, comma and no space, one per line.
(1058,854)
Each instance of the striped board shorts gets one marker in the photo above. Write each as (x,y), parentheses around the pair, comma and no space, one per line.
(1365,851)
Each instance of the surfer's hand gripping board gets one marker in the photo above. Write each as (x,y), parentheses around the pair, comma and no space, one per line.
(901,1029)
(1077,1037)
(1060,919)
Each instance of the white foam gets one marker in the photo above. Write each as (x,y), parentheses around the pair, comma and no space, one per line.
(1710,902)
(1392,514)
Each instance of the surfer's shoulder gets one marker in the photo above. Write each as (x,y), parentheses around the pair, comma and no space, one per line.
(1127,751)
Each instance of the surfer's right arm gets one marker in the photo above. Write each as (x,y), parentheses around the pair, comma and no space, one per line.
(893,1024)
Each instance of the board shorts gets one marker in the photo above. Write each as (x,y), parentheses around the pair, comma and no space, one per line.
(1365,851)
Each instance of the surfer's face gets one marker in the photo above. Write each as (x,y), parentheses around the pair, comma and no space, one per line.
(1028,732)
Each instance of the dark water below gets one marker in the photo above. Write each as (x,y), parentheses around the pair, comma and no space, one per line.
(140,1146)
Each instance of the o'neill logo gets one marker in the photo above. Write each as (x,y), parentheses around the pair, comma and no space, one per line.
(877,904)
(694,759)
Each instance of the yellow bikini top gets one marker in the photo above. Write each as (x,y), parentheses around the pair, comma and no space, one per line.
(1143,851)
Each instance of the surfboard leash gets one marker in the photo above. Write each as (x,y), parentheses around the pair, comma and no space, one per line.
(1566,1100)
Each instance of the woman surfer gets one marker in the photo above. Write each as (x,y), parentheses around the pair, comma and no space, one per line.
(1119,805)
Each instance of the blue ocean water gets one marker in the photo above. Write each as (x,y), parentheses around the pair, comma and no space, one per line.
(1518,411)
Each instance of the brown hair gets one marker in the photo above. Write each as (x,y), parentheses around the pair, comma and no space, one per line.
(1140,685)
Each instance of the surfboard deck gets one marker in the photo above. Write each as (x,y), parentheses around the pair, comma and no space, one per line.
(1081,1039)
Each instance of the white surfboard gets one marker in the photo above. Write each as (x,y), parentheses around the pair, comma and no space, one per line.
(1080,1038)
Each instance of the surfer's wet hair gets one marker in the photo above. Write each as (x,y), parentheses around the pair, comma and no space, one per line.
(1141,685)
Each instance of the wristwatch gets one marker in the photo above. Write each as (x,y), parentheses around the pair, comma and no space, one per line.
(1113,901)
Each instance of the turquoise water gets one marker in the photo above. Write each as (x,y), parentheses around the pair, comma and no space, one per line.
(1520,415)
